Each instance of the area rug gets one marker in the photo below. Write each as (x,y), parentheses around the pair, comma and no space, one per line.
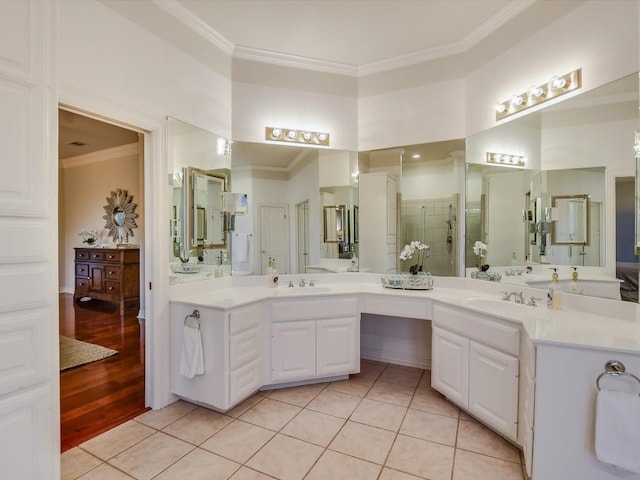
(74,352)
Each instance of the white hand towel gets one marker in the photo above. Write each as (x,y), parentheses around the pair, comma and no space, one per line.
(618,429)
(192,361)
(241,247)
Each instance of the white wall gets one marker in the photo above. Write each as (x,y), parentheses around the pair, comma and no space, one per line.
(601,37)
(424,180)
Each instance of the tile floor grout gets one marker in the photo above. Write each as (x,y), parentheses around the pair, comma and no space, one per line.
(303,405)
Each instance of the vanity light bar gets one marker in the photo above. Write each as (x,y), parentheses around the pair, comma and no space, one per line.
(505,159)
(296,136)
(537,94)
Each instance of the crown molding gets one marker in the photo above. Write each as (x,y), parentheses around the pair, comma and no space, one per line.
(293,61)
(185,16)
(182,14)
(100,156)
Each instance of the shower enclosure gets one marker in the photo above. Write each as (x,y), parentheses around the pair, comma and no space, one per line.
(433,222)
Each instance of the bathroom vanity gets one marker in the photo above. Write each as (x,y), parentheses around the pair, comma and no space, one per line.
(526,372)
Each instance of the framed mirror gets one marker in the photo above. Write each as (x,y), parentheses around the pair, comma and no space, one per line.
(120,215)
(570,219)
(207,228)
(336,227)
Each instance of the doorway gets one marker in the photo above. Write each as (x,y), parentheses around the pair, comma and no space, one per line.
(96,159)
(274,236)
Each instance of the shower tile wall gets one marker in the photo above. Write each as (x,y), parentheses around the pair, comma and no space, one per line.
(427,220)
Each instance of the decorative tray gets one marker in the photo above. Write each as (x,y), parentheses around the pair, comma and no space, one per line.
(408,281)
(185,268)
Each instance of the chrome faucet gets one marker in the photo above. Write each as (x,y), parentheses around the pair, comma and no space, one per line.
(302,283)
(518,297)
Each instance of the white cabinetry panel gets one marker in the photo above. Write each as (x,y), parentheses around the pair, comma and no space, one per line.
(450,365)
(293,350)
(493,387)
(337,341)
(244,380)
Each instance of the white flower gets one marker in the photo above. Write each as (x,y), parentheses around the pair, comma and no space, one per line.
(409,250)
(479,248)
(89,235)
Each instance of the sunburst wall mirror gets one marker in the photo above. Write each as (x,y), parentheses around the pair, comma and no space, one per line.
(120,216)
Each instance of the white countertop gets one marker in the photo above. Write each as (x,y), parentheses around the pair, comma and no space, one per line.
(584,322)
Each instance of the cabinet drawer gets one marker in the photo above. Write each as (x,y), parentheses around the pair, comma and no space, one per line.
(317,308)
(82,255)
(244,381)
(112,288)
(397,307)
(112,257)
(82,287)
(487,330)
(245,318)
(96,256)
(112,272)
(244,347)
(82,270)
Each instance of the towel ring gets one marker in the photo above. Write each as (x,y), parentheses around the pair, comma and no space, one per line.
(195,315)
(615,368)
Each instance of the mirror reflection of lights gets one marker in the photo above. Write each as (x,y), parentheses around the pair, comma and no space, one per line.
(506,160)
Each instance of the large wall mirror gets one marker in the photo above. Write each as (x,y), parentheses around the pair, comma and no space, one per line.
(303,206)
(430,178)
(199,164)
(558,208)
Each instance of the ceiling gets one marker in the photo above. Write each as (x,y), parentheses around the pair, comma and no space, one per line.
(94,135)
(357,36)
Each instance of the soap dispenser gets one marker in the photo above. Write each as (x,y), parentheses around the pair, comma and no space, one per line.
(575,287)
(554,293)
(272,273)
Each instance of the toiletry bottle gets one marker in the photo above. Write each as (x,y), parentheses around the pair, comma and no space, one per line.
(272,273)
(218,267)
(575,287)
(527,264)
(554,293)
(514,264)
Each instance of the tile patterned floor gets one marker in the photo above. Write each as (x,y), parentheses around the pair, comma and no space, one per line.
(385,423)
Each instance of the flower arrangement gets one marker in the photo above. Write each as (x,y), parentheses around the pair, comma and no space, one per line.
(89,236)
(480,249)
(410,250)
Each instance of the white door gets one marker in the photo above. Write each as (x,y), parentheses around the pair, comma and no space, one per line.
(336,346)
(493,388)
(293,350)
(29,366)
(274,237)
(450,365)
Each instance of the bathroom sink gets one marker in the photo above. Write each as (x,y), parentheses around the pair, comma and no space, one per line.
(495,305)
(284,290)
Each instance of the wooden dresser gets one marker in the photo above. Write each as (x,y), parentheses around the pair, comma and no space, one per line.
(111,274)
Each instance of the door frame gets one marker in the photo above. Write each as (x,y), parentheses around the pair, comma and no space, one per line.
(154,281)
(297,236)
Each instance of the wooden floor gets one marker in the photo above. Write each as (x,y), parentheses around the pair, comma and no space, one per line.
(101,395)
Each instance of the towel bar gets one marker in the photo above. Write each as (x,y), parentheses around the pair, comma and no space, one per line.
(195,315)
(615,368)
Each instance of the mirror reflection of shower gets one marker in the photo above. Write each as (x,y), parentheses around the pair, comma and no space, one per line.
(433,222)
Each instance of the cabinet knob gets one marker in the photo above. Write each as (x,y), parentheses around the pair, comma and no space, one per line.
(111,272)
(94,256)
(110,288)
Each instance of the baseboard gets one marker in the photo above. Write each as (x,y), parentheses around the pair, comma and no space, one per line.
(395,358)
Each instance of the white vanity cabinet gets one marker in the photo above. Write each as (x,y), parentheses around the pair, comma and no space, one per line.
(314,339)
(475,365)
(233,352)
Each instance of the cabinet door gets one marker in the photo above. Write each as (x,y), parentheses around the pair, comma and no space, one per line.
(96,278)
(336,341)
(293,350)
(493,388)
(450,365)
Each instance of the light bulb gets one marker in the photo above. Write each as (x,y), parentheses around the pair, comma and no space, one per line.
(276,132)
(306,136)
(292,134)
(322,137)
(516,100)
(500,108)
(558,82)
(535,91)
